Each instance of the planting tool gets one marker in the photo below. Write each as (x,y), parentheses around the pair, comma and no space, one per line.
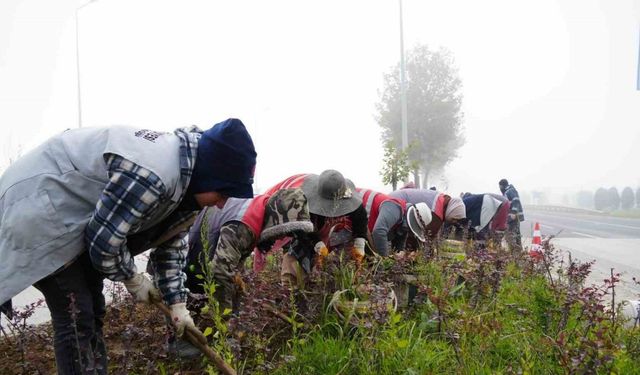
(200,341)
(353,310)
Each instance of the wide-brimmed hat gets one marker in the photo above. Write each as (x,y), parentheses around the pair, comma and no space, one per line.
(418,217)
(286,214)
(330,194)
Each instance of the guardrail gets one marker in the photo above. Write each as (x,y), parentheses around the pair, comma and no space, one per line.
(566,209)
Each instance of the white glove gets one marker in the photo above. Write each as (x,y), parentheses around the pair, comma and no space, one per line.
(358,249)
(321,249)
(181,318)
(142,289)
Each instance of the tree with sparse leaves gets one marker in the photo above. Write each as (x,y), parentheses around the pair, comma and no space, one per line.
(585,199)
(601,199)
(614,198)
(627,198)
(434,116)
(396,165)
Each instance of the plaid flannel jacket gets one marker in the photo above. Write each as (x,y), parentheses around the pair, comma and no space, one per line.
(132,195)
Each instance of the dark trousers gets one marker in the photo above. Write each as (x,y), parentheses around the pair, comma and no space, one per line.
(74,297)
(514,238)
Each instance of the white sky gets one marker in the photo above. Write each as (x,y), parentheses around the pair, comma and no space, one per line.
(550,96)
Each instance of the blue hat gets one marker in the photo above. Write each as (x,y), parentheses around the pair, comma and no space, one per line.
(226,161)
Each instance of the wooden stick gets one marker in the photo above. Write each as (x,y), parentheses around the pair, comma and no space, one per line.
(200,341)
(172,233)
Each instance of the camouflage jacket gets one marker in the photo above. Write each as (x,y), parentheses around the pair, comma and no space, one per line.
(226,236)
(234,244)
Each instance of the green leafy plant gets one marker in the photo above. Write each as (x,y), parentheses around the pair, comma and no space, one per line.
(218,332)
(396,165)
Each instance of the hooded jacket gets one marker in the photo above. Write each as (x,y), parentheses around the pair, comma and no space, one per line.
(49,195)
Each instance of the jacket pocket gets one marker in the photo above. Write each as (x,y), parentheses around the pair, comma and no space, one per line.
(31,222)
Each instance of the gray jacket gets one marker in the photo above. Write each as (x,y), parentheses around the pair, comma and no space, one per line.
(48,196)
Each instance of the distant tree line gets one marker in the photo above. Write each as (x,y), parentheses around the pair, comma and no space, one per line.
(609,199)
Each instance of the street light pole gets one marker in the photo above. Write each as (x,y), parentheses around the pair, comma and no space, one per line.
(78,63)
(403,86)
(78,72)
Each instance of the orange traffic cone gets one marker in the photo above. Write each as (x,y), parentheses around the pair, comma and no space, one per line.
(536,243)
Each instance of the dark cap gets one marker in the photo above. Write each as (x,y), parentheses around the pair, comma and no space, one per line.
(226,161)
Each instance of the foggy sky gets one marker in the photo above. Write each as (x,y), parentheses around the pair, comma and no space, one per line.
(549,87)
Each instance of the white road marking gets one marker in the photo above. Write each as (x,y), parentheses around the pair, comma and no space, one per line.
(584,234)
(591,221)
(617,225)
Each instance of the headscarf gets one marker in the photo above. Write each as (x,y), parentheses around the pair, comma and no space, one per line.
(455,210)
(409,185)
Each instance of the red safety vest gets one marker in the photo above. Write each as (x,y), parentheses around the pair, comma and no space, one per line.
(499,221)
(294,181)
(330,224)
(253,217)
(440,206)
(247,211)
(372,201)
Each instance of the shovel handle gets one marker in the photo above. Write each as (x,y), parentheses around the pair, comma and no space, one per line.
(200,341)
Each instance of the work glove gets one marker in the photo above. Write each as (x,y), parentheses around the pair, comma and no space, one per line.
(321,249)
(321,252)
(181,318)
(357,251)
(142,289)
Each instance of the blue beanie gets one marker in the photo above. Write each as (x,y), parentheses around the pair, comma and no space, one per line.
(226,161)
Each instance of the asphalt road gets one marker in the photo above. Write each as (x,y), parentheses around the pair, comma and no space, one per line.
(611,242)
(582,226)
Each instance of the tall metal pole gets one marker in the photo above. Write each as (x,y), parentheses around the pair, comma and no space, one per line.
(78,61)
(403,86)
(78,70)
(638,72)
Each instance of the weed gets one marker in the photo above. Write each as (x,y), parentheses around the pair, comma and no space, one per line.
(491,311)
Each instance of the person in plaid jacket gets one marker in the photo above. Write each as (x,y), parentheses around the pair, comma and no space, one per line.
(79,207)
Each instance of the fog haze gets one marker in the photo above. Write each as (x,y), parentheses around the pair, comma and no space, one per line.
(550,97)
